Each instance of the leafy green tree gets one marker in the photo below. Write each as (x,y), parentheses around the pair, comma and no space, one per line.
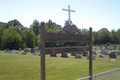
(1,34)
(35,26)
(30,39)
(118,35)
(14,22)
(67,22)
(114,37)
(11,41)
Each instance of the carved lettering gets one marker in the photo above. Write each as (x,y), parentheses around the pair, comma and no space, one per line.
(76,37)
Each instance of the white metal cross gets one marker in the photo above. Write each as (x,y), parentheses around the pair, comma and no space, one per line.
(69,13)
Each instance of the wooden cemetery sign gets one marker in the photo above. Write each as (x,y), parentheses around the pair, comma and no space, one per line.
(70,36)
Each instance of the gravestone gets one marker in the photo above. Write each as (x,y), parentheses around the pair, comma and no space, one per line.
(34,53)
(119,48)
(94,52)
(15,52)
(32,50)
(19,49)
(37,51)
(38,54)
(77,56)
(118,52)
(108,49)
(112,55)
(114,48)
(5,51)
(73,53)
(105,53)
(64,55)
(53,55)
(25,50)
(9,51)
(95,49)
(24,53)
(84,53)
(102,50)
(105,45)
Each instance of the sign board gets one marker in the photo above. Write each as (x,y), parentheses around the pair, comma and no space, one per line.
(72,35)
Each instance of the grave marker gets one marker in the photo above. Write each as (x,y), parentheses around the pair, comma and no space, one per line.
(32,50)
(77,56)
(64,55)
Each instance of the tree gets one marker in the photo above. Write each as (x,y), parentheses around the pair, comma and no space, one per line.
(11,41)
(14,22)
(30,39)
(1,34)
(35,26)
(67,22)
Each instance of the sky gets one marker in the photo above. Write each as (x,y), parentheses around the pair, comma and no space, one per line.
(89,13)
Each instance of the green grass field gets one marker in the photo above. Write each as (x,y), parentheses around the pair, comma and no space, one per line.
(27,67)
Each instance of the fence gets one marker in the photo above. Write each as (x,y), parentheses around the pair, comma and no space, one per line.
(98,74)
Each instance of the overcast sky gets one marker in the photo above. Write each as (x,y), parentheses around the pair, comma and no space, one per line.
(89,13)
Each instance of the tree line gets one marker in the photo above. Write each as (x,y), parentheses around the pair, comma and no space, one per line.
(13,35)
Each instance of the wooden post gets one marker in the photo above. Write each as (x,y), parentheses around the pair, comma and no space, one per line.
(42,51)
(90,54)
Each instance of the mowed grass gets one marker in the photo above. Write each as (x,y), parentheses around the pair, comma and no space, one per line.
(27,67)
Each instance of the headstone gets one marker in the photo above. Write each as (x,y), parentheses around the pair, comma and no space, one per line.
(34,53)
(73,53)
(112,55)
(64,55)
(5,51)
(105,45)
(119,48)
(94,52)
(25,50)
(53,55)
(104,52)
(19,49)
(114,48)
(32,50)
(37,51)
(38,54)
(77,56)
(118,52)
(24,53)
(9,51)
(15,52)
(95,49)
(85,53)
(108,44)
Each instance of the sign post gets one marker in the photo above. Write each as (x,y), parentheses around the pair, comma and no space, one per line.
(90,54)
(42,51)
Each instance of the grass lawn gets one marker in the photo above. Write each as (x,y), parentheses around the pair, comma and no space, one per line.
(27,67)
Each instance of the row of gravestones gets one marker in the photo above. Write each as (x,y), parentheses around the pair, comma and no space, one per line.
(107,49)
(84,53)
(32,50)
(65,55)
(10,51)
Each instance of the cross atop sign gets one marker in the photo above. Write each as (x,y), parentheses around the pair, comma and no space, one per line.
(69,12)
